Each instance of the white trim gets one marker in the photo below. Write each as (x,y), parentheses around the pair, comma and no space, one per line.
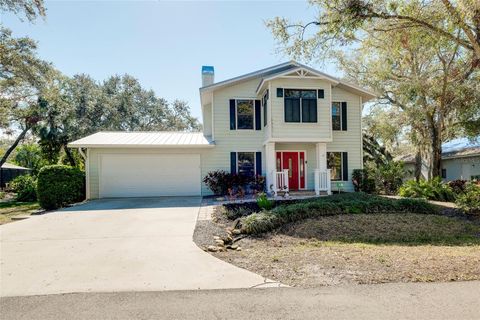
(298,140)
(284,74)
(341,116)
(341,157)
(213,120)
(301,105)
(330,104)
(254,161)
(143,146)
(87,176)
(269,114)
(305,174)
(236,114)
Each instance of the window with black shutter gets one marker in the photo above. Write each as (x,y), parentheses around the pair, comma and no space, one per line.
(300,105)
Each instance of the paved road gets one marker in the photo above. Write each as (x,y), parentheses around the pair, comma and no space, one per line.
(390,301)
(110,246)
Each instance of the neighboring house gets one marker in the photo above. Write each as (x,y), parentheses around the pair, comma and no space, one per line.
(9,171)
(460,160)
(288,122)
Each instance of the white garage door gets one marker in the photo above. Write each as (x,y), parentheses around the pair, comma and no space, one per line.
(149,175)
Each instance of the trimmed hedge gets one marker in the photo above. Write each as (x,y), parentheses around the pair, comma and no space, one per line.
(25,187)
(60,185)
(352,203)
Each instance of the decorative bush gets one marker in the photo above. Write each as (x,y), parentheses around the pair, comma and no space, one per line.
(458,186)
(469,201)
(264,203)
(434,189)
(362,181)
(218,181)
(353,203)
(60,185)
(25,187)
(222,183)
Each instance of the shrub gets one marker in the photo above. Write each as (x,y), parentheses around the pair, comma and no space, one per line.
(458,186)
(434,189)
(469,201)
(263,202)
(362,181)
(60,185)
(218,181)
(353,203)
(222,183)
(25,187)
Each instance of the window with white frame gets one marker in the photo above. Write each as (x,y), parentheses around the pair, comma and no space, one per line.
(246,164)
(336,116)
(300,105)
(245,114)
(334,163)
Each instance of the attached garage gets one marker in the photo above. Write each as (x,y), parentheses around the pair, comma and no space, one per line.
(149,175)
(143,164)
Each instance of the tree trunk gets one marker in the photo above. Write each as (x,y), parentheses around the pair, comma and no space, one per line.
(70,157)
(418,166)
(14,145)
(436,141)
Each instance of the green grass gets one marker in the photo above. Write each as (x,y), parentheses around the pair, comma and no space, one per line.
(386,228)
(9,209)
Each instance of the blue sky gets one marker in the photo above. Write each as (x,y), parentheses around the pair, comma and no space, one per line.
(163,44)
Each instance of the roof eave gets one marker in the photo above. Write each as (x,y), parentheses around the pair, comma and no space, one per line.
(139,146)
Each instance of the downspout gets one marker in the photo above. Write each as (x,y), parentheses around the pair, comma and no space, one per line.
(87,173)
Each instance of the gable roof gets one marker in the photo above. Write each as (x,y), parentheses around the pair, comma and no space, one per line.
(153,139)
(457,148)
(7,165)
(282,69)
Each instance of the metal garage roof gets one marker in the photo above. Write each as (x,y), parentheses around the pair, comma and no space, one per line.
(154,139)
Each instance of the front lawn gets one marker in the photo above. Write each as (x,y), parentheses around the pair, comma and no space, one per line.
(12,208)
(347,240)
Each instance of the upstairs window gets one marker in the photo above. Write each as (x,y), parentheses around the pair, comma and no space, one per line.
(336,116)
(245,114)
(300,105)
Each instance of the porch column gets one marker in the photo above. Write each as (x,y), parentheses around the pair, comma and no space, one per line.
(270,165)
(321,155)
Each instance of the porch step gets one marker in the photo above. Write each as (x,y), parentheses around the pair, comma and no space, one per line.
(304,193)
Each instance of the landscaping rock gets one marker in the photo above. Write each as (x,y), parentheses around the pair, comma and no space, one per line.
(228,239)
(239,249)
(216,238)
(219,242)
(233,247)
(236,232)
(212,248)
(221,249)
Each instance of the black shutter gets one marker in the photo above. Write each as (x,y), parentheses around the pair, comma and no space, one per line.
(344,116)
(258,163)
(279,92)
(321,94)
(258,115)
(345,166)
(233,124)
(233,162)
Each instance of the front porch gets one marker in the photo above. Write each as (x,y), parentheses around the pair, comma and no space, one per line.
(294,167)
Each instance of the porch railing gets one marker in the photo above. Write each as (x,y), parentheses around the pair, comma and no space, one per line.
(280,181)
(322,182)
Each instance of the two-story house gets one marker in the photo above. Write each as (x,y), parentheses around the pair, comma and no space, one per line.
(297,126)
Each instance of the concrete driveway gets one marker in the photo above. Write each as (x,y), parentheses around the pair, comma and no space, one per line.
(113,245)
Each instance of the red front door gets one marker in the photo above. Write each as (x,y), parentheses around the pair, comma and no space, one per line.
(295,163)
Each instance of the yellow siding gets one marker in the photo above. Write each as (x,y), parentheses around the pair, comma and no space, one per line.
(351,140)
(226,140)
(282,129)
(94,161)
